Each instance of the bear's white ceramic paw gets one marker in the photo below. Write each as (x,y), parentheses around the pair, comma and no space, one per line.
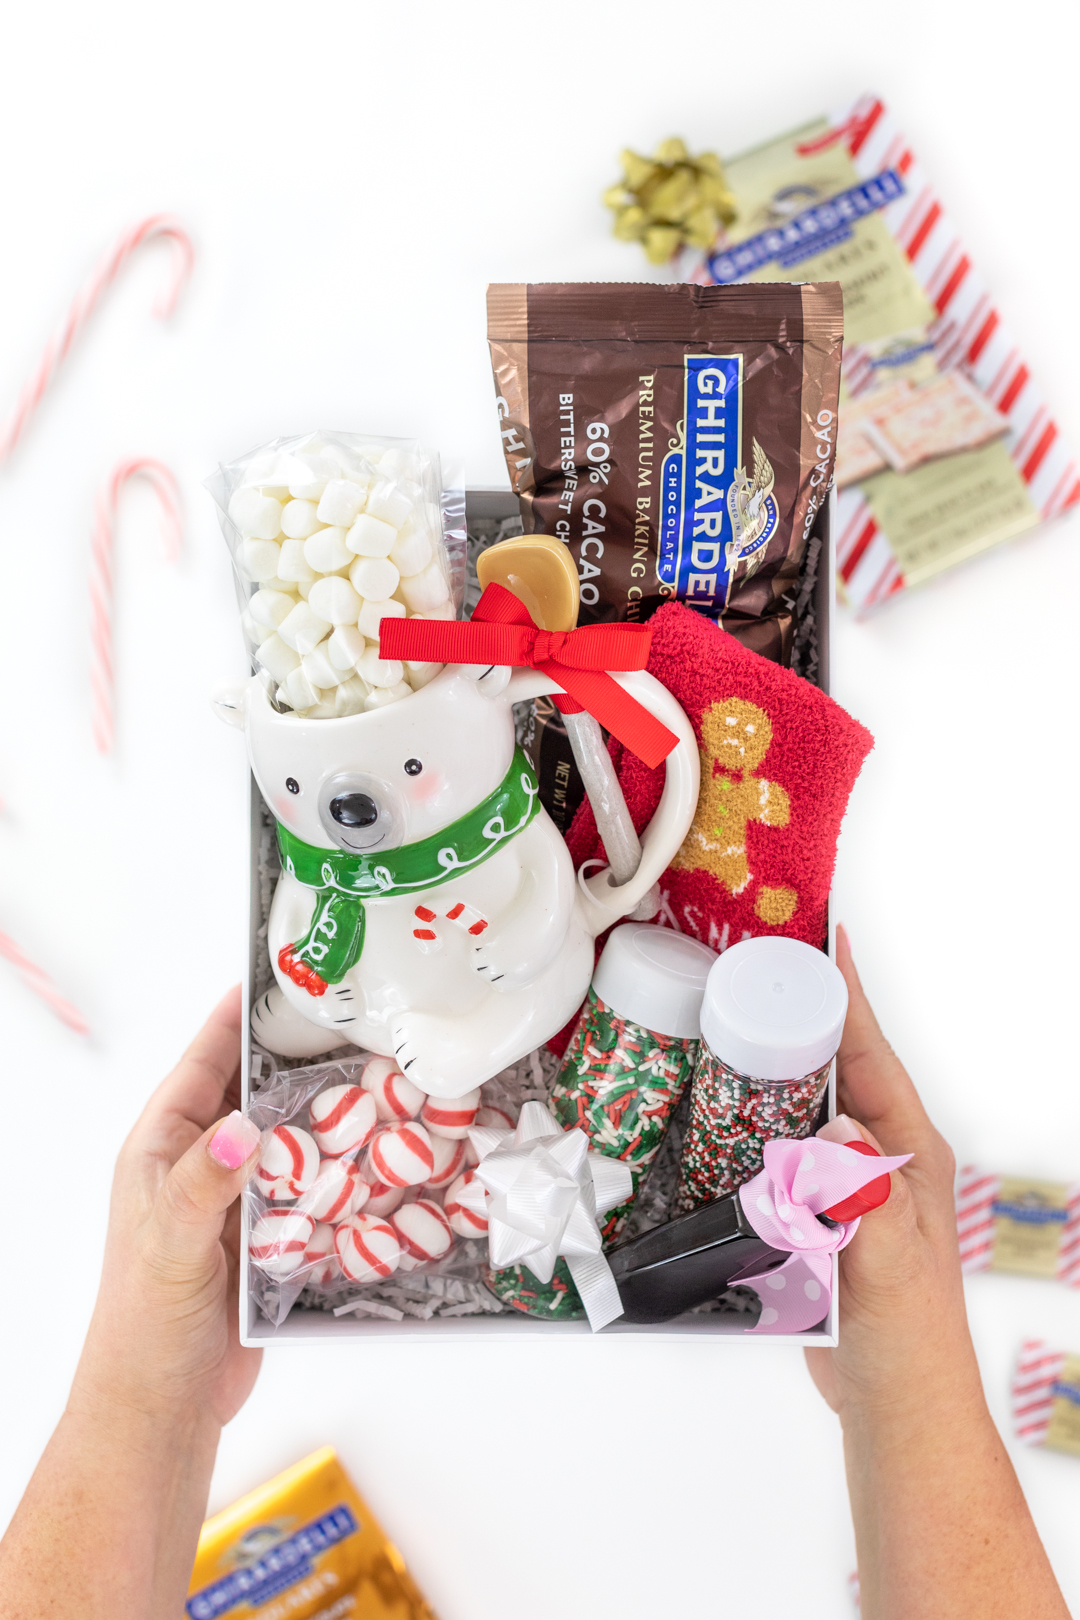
(278,1027)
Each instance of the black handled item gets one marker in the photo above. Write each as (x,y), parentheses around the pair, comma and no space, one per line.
(695,1257)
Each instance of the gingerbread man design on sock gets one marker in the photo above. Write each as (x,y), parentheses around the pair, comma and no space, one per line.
(735,738)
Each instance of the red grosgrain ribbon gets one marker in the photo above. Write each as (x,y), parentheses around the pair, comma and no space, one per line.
(502,631)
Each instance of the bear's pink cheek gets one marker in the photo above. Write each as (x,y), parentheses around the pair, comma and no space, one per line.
(426,787)
(284,807)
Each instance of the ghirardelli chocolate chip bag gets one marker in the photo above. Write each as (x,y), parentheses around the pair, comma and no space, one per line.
(679,439)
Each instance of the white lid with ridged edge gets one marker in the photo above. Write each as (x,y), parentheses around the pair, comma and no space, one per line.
(774,1008)
(655,977)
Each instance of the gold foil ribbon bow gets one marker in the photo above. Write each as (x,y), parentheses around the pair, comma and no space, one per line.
(670,201)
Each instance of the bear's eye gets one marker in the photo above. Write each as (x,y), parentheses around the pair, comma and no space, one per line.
(413,767)
(292,784)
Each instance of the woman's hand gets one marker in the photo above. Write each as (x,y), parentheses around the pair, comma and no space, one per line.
(941,1525)
(164,1334)
(115,1505)
(901,1293)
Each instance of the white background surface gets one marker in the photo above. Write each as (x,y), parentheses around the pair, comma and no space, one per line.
(354,175)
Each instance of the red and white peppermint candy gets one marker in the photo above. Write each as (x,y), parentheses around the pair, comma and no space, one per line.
(449,1162)
(451,1116)
(288,1163)
(497,1119)
(382,1199)
(396,1098)
(278,1240)
(367,1248)
(466,1218)
(321,1256)
(423,1232)
(401,1155)
(342,1119)
(337,1191)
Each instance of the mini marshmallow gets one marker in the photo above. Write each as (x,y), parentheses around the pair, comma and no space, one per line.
(390,503)
(370,536)
(326,551)
(293,565)
(382,695)
(342,1119)
(451,1116)
(303,588)
(337,1192)
(299,519)
(350,697)
(464,1221)
(397,464)
(422,1230)
(335,599)
(346,646)
(401,1155)
(309,476)
(258,517)
(319,1255)
(270,608)
(376,578)
(396,1098)
(341,502)
(278,1240)
(378,671)
(298,691)
(258,559)
(418,674)
(425,591)
(367,1248)
(383,1199)
(372,614)
(276,658)
(321,670)
(411,552)
(449,1162)
(303,629)
(288,1163)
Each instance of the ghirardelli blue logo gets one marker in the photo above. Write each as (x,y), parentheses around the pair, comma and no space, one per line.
(715,520)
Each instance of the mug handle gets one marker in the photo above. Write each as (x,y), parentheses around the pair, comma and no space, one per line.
(605,901)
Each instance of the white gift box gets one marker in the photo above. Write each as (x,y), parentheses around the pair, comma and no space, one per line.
(303,1324)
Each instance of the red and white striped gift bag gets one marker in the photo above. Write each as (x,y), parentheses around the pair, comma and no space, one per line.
(1032,1394)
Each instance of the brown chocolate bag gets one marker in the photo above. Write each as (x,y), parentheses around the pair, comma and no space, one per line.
(679,439)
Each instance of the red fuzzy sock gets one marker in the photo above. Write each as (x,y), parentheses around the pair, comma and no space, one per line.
(778,761)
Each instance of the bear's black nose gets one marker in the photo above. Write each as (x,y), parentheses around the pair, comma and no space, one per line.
(354,810)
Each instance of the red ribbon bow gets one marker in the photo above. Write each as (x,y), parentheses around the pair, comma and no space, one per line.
(502,631)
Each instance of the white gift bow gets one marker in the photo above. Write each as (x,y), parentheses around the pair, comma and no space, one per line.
(541,1189)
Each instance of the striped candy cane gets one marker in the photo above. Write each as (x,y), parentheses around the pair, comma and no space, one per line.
(37,980)
(1037,1369)
(975,1194)
(85,303)
(102,678)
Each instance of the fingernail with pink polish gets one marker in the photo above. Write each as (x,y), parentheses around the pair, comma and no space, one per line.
(840,1129)
(235,1139)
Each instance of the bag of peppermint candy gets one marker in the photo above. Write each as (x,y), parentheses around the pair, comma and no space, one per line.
(329,534)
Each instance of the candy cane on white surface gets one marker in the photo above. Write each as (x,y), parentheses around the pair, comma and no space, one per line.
(102,674)
(37,980)
(59,346)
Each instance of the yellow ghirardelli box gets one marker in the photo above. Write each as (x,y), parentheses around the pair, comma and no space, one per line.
(304,1546)
(1063,1432)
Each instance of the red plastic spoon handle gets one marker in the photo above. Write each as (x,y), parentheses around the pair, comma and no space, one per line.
(872,1196)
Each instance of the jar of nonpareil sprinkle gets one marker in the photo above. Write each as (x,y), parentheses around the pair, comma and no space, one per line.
(629,1060)
(771,1022)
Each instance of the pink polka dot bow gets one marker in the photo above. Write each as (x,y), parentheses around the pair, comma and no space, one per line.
(800,1181)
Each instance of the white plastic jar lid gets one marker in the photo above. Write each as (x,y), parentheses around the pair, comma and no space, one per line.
(655,977)
(774,1008)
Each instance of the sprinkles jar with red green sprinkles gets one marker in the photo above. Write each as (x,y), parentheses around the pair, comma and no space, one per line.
(629,1060)
(771,1022)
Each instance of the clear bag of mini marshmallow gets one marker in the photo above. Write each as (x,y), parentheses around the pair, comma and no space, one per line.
(330,533)
(353,1205)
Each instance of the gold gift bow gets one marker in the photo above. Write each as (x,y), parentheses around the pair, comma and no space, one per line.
(670,200)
